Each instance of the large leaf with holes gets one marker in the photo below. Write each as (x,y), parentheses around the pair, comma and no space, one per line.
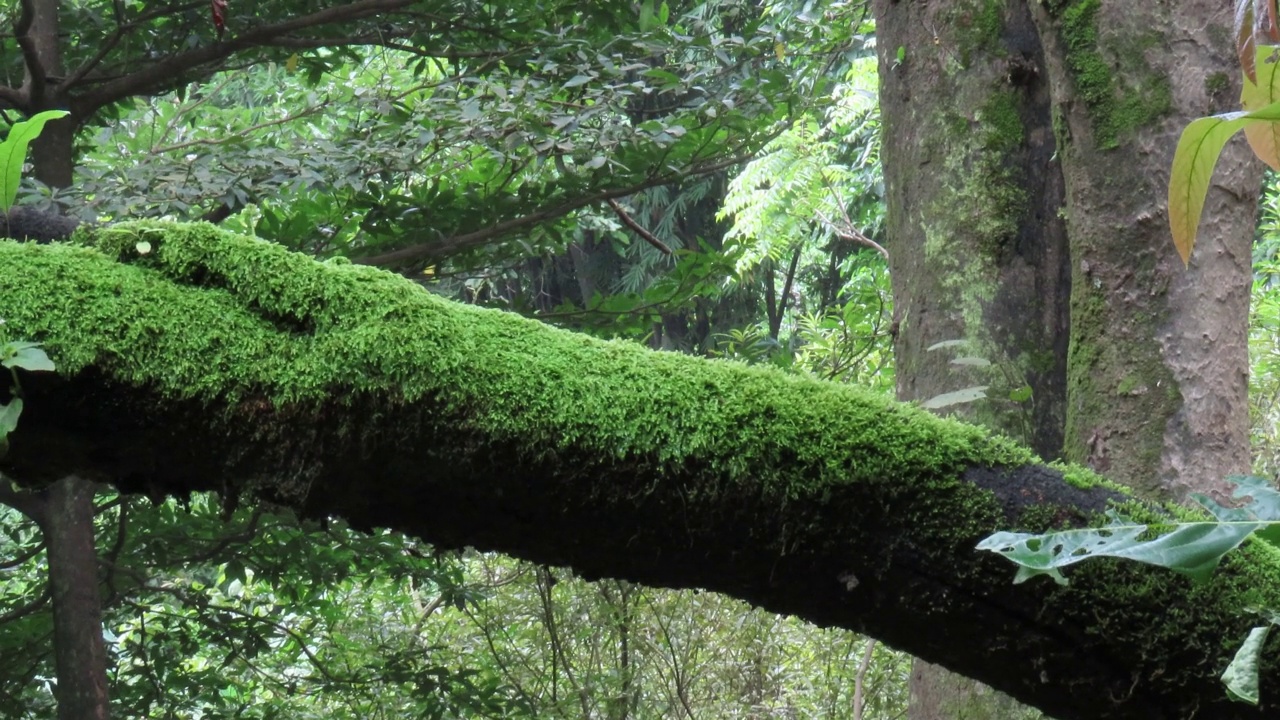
(1191,548)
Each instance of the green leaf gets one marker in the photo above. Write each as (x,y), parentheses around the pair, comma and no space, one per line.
(1191,548)
(13,153)
(578,80)
(9,416)
(971,362)
(1198,150)
(1021,394)
(648,18)
(29,358)
(1258,92)
(1241,675)
(955,398)
(665,76)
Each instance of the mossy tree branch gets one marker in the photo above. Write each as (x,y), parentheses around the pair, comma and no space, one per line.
(214,361)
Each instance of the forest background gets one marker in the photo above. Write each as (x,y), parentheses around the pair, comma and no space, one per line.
(700,178)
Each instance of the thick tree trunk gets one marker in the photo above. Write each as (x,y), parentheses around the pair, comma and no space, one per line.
(53,152)
(1158,364)
(978,250)
(978,246)
(79,653)
(989,105)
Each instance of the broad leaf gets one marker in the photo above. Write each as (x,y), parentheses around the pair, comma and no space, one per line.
(1241,675)
(1191,548)
(9,416)
(955,398)
(1263,90)
(1198,150)
(13,152)
(28,358)
(1256,24)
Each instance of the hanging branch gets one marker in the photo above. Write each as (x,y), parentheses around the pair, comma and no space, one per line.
(637,228)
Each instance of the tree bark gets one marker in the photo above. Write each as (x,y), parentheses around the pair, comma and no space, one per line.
(978,246)
(1152,390)
(53,152)
(1158,362)
(79,653)
(978,250)
(220,362)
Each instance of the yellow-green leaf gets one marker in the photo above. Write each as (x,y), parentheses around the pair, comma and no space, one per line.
(13,152)
(1198,150)
(1264,138)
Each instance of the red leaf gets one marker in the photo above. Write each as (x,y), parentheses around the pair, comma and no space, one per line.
(1245,43)
(1268,25)
(219,8)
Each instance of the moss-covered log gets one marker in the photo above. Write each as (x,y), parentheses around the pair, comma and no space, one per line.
(213,361)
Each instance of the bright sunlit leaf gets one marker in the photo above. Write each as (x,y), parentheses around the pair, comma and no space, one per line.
(1264,138)
(13,153)
(1198,151)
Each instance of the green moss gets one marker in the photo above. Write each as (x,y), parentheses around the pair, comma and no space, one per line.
(981,208)
(1114,110)
(990,22)
(1061,132)
(988,198)
(1002,127)
(1086,479)
(1041,519)
(979,23)
(239,324)
(1128,384)
(1217,83)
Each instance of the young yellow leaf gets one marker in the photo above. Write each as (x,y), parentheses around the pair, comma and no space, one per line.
(1198,150)
(1264,138)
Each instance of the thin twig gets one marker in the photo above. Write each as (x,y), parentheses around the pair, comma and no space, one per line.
(637,228)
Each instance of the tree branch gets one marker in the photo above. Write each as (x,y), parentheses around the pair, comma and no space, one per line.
(637,228)
(477,238)
(341,391)
(27,502)
(122,27)
(156,75)
(34,86)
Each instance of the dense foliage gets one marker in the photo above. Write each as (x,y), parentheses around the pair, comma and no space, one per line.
(560,160)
